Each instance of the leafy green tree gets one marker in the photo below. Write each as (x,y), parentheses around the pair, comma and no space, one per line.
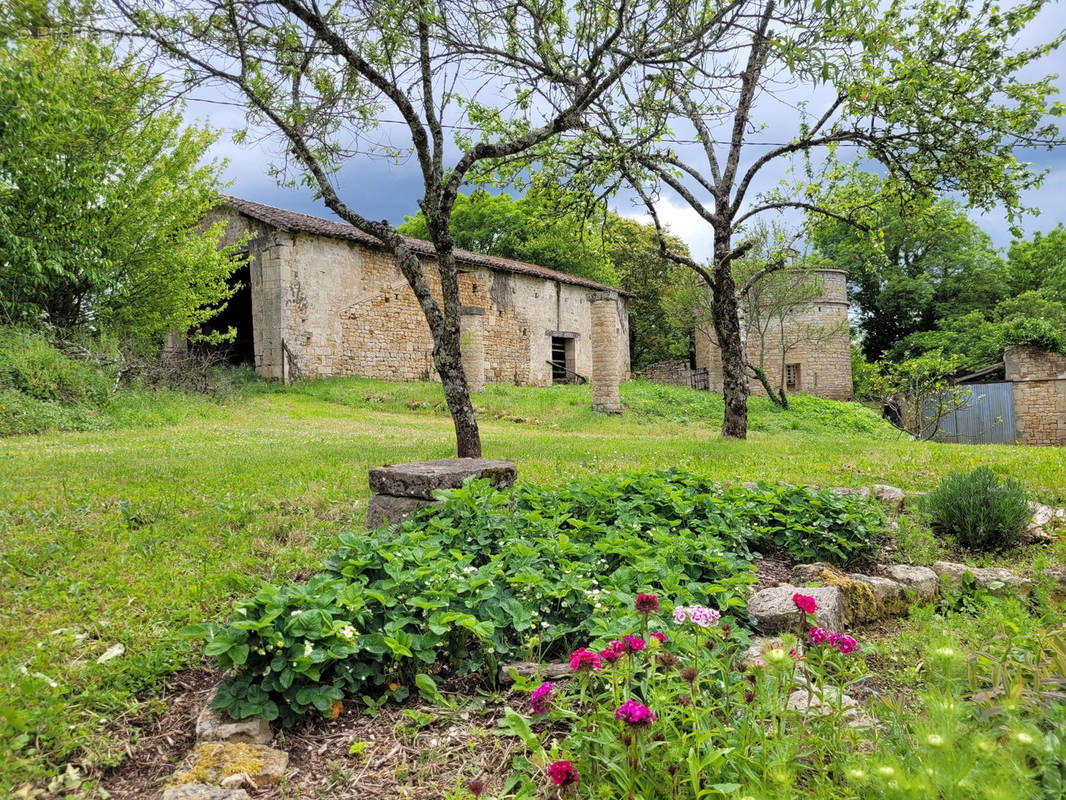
(930,90)
(1039,263)
(911,266)
(102,192)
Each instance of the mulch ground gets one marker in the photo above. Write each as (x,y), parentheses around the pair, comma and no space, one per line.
(410,750)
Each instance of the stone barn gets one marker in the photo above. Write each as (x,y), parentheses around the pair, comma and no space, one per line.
(818,360)
(322,298)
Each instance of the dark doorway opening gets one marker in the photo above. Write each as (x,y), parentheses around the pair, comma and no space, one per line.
(237,315)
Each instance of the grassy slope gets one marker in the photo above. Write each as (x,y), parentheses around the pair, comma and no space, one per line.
(124,535)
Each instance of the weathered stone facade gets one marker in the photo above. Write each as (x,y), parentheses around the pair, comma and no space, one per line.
(329,300)
(1038,380)
(820,366)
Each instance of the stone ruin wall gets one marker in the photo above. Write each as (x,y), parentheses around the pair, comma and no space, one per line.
(1039,387)
(342,308)
(825,364)
(669,373)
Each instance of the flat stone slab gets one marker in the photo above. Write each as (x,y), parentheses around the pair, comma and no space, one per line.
(384,509)
(922,580)
(774,611)
(984,577)
(528,669)
(422,478)
(201,791)
(216,726)
(214,762)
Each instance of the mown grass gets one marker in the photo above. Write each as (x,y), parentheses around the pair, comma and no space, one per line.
(125,534)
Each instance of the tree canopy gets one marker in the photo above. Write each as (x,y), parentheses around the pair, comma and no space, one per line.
(102,193)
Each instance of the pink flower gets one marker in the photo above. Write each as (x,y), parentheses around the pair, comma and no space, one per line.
(805,603)
(562,773)
(610,655)
(660,636)
(633,713)
(584,660)
(845,644)
(646,604)
(817,635)
(633,644)
(541,697)
(698,615)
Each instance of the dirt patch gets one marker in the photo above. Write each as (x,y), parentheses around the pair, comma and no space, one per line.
(160,741)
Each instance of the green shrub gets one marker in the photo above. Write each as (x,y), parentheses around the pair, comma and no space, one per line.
(32,365)
(980,509)
(492,576)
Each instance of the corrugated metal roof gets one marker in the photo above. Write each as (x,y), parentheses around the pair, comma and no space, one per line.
(294,222)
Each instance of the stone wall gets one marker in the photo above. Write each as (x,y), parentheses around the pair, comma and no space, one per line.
(1039,386)
(669,373)
(823,354)
(324,306)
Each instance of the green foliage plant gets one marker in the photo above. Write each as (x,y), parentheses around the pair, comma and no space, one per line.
(688,715)
(982,510)
(496,576)
(103,193)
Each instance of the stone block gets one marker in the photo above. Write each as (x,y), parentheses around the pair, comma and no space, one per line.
(216,726)
(201,791)
(922,580)
(213,762)
(828,701)
(860,602)
(385,509)
(774,610)
(891,597)
(984,577)
(422,478)
(891,497)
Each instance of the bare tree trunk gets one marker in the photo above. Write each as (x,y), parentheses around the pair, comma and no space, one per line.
(761,377)
(726,315)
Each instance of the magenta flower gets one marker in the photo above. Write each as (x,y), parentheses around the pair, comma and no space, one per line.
(817,635)
(610,655)
(634,713)
(541,698)
(805,603)
(633,644)
(646,604)
(660,636)
(562,773)
(583,660)
(845,644)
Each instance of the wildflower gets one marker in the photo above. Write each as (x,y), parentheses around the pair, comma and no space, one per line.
(689,674)
(610,655)
(666,659)
(308,648)
(845,644)
(646,604)
(817,635)
(476,786)
(886,771)
(726,630)
(348,633)
(660,636)
(541,698)
(635,713)
(562,773)
(805,603)
(583,660)
(934,740)
(1023,737)
(774,653)
(698,615)
(633,644)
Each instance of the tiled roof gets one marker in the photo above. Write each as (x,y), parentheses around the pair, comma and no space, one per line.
(294,222)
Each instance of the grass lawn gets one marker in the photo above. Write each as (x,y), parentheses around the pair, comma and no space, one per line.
(122,535)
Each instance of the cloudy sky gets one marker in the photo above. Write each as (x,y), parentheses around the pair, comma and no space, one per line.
(380,189)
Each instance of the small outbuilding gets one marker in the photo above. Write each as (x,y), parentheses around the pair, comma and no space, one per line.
(321,298)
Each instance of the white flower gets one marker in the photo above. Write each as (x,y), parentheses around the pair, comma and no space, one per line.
(308,648)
